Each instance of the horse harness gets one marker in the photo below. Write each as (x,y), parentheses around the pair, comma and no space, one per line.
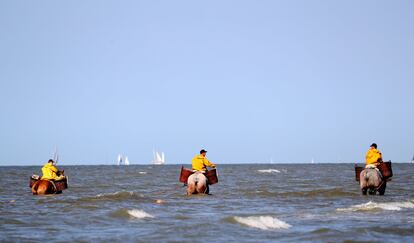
(54,186)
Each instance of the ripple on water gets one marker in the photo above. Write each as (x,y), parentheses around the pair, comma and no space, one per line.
(12,222)
(115,196)
(407,230)
(325,193)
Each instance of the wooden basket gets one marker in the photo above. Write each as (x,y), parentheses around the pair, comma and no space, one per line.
(386,169)
(212,177)
(185,173)
(358,170)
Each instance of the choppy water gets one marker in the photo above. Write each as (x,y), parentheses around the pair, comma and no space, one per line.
(251,203)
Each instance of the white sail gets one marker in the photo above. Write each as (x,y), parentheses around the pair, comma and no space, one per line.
(126,160)
(119,159)
(159,159)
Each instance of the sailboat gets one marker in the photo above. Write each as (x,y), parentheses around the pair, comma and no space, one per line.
(119,159)
(159,159)
(312,161)
(122,160)
(412,161)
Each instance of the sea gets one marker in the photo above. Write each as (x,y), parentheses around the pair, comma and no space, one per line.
(251,203)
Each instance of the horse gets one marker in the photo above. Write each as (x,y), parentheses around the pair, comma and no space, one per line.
(197,184)
(198,181)
(44,187)
(371,181)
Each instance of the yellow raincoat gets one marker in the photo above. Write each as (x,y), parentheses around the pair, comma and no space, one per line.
(49,172)
(200,162)
(373,157)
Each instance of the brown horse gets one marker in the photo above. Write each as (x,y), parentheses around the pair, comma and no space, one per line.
(44,187)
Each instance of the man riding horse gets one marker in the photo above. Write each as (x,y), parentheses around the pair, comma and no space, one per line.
(46,184)
(371,179)
(197,182)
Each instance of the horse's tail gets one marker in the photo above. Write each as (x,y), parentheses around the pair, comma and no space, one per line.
(366,177)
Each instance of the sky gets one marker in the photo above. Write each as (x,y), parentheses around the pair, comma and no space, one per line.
(249,81)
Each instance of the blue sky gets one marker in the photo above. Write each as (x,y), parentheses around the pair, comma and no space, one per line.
(246,80)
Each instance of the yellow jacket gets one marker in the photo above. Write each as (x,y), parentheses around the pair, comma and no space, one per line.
(49,172)
(200,162)
(373,156)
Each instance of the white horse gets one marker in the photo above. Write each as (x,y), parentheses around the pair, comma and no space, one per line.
(197,183)
(371,181)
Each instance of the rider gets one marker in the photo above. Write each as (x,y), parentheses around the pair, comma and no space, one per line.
(199,165)
(373,157)
(200,162)
(50,172)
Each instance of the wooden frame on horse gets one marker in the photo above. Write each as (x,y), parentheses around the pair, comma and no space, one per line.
(211,175)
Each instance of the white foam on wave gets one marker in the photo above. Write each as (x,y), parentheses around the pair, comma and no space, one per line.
(115,194)
(269,171)
(392,206)
(142,172)
(139,214)
(263,222)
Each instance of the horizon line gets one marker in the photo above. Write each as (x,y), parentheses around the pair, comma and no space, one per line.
(237,163)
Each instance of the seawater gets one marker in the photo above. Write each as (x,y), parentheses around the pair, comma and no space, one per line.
(251,203)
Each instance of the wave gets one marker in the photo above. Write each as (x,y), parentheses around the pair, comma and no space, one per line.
(11,221)
(142,172)
(269,171)
(406,230)
(131,213)
(115,196)
(372,206)
(262,222)
(326,193)
(139,214)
